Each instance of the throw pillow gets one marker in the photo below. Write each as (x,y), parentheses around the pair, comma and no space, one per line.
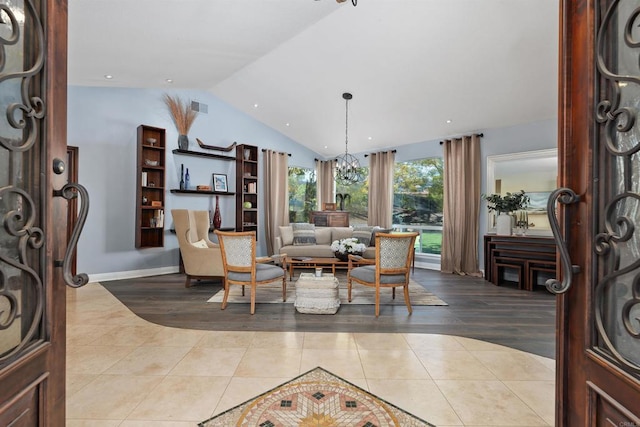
(303,234)
(362,233)
(378,230)
(202,244)
(323,236)
(286,234)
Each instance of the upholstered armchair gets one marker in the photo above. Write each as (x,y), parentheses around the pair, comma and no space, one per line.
(200,256)
(390,268)
(242,267)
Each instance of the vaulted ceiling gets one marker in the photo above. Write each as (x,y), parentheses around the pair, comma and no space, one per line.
(418,69)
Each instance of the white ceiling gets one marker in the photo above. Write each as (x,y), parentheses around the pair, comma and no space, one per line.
(410,64)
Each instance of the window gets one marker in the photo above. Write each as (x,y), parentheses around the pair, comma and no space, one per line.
(417,201)
(357,202)
(302,193)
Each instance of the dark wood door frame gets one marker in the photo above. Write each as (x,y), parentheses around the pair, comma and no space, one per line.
(72,217)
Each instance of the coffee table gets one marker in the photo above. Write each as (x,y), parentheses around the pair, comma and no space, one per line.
(309,262)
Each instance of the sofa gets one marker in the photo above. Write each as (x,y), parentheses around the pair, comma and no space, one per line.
(307,240)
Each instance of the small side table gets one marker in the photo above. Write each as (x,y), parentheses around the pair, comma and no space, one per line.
(317,295)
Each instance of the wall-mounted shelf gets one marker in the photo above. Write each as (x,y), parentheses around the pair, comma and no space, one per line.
(202,154)
(215,193)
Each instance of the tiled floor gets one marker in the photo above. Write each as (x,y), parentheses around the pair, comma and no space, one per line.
(125,371)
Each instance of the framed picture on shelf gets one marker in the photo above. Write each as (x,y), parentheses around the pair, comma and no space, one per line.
(220,182)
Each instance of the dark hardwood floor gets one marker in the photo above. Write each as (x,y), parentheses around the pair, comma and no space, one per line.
(477,309)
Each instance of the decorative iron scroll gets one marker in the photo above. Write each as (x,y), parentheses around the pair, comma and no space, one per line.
(19,223)
(19,280)
(565,196)
(617,246)
(71,191)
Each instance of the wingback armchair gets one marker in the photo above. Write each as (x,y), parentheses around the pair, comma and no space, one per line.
(201,257)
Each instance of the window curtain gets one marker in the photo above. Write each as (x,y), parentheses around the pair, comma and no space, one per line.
(324,182)
(276,195)
(381,188)
(461,206)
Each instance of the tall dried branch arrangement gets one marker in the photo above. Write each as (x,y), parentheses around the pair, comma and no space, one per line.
(181,113)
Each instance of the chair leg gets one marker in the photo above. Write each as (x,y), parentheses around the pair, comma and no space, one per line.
(393,293)
(226,295)
(349,289)
(284,288)
(242,290)
(377,301)
(187,282)
(253,298)
(406,298)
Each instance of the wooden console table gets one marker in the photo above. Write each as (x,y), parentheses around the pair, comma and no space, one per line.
(526,255)
(329,218)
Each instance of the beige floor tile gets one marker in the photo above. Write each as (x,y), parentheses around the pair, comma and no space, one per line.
(487,403)
(277,340)
(75,382)
(110,397)
(453,365)
(343,363)
(93,423)
(204,361)
(381,341)
(149,361)
(138,423)
(241,389)
(89,334)
(432,342)
(226,339)
(392,364)
(128,334)
(421,398)
(538,395)
(512,365)
(324,340)
(174,337)
(549,363)
(259,362)
(181,399)
(94,359)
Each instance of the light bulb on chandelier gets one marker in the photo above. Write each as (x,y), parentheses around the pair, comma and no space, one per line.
(348,169)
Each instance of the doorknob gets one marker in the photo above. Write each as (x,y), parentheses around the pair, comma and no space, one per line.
(71,191)
(565,196)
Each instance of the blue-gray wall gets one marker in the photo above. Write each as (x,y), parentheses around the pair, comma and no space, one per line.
(102,122)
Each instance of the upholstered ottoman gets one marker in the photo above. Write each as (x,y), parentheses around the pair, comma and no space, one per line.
(317,295)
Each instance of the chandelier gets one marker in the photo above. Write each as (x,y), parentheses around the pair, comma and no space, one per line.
(347,166)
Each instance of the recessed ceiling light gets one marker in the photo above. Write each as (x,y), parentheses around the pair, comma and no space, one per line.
(287,124)
(169,80)
(255,105)
(449,121)
(370,138)
(108,76)
(326,146)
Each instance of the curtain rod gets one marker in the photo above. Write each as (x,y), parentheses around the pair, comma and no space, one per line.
(279,152)
(476,134)
(393,151)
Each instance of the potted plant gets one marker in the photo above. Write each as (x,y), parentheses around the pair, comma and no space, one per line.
(183,117)
(504,206)
(342,248)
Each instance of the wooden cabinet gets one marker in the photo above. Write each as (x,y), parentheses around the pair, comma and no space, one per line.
(150,182)
(329,218)
(529,258)
(247,188)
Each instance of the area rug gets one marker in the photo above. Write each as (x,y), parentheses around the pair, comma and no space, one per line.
(272,293)
(319,399)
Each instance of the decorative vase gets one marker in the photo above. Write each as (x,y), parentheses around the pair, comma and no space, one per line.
(345,256)
(504,224)
(217,220)
(183,142)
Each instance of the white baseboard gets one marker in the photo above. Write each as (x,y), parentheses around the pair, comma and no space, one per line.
(117,275)
(427,265)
